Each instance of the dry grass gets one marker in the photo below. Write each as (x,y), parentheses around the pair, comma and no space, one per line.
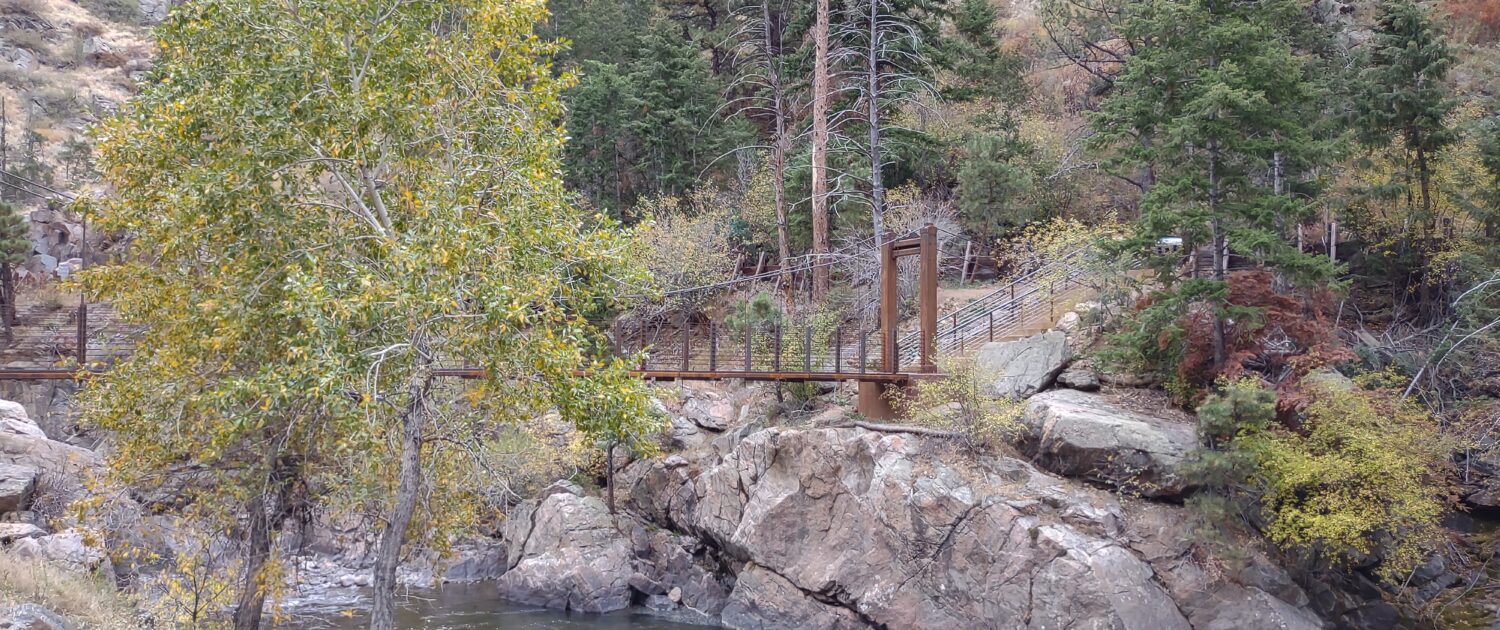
(86,601)
(32,8)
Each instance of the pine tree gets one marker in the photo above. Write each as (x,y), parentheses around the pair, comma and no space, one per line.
(1206,105)
(993,189)
(821,94)
(647,126)
(15,249)
(678,100)
(1402,94)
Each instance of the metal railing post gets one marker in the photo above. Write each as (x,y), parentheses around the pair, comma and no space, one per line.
(838,349)
(807,349)
(713,347)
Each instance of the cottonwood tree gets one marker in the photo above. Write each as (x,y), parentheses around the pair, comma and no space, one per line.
(372,195)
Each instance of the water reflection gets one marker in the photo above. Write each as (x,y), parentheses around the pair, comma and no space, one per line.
(469,607)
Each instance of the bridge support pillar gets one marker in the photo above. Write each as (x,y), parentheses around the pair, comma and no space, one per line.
(873,401)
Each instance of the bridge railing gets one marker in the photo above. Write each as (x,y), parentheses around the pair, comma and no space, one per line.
(1004,311)
(712,350)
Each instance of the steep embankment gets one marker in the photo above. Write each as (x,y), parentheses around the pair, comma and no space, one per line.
(823,527)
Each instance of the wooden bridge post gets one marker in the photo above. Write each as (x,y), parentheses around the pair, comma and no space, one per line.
(927,296)
(873,402)
(889,318)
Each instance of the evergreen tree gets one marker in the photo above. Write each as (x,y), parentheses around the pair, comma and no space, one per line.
(606,31)
(1488,135)
(599,154)
(15,249)
(677,123)
(1205,105)
(647,127)
(981,67)
(993,188)
(1403,94)
(1222,467)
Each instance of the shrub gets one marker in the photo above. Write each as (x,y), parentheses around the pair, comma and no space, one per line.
(1274,335)
(127,11)
(1369,467)
(1221,469)
(962,404)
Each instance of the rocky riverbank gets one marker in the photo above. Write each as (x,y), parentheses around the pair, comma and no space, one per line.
(759,517)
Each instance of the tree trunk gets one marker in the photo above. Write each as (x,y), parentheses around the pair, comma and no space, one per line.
(1220,245)
(778,145)
(265,512)
(388,556)
(820,245)
(877,189)
(609,475)
(7,298)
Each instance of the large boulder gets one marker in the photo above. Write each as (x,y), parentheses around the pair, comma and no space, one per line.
(49,457)
(1018,369)
(568,553)
(68,548)
(846,528)
(32,617)
(763,600)
(1079,434)
(17,484)
(15,421)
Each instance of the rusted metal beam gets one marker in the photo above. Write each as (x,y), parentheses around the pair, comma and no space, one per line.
(927,297)
(707,375)
(889,318)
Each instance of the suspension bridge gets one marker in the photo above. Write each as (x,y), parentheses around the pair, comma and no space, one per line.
(891,352)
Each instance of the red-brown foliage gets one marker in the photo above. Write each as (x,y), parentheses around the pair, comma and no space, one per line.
(1291,336)
(1476,20)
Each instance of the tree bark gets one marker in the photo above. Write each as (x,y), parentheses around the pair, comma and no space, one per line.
(1221,262)
(409,482)
(609,475)
(8,297)
(778,145)
(820,245)
(877,189)
(265,511)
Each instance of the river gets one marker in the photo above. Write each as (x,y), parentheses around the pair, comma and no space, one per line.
(469,607)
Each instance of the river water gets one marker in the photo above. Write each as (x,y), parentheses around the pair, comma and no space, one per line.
(468,607)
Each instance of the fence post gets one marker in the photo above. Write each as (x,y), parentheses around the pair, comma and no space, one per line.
(776,360)
(749,336)
(713,347)
(807,349)
(838,349)
(83,334)
(687,340)
(992,325)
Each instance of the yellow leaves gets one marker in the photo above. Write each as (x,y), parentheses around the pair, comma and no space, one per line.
(1370,465)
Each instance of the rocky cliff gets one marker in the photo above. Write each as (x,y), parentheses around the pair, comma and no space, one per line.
(774,527)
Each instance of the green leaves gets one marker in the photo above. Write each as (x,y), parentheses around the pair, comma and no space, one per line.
(372,194)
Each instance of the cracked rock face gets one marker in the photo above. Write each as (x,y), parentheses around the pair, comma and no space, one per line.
(1083,435)
(845,528)
(1018,369)
(567,553)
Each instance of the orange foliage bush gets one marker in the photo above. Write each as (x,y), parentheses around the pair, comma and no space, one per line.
(1291,336)
(1479,20)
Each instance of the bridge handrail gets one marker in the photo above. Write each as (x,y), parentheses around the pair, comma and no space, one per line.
(1005,295)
